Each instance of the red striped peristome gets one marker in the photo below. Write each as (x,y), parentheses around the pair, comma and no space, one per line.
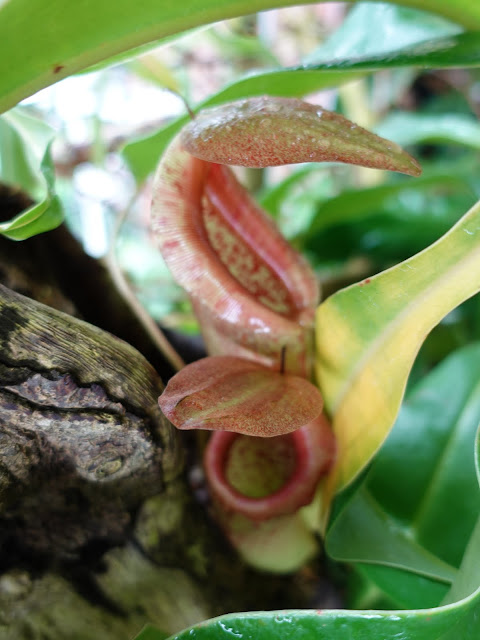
(253,294)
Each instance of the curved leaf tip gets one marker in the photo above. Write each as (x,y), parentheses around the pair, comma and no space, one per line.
(234,394)
(269,131)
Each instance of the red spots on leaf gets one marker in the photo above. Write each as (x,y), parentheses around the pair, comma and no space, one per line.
(268,131)
(58,67)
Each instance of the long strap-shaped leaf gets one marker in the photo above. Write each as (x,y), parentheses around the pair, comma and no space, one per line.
(369,334)
(40,43)
(454,622)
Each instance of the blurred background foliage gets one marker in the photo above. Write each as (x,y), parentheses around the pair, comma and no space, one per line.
(350,222)
(112,123)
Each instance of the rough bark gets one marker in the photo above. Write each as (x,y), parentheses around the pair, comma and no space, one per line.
(79,425)
(90,498)
(100,529)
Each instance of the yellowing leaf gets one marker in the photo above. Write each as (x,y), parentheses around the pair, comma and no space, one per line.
(234,394)
(369,334)
(268,131)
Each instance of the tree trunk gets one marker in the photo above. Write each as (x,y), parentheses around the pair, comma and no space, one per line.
(100,530)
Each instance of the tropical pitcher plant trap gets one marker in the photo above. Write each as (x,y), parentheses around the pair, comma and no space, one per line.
(255,299)
(299,395)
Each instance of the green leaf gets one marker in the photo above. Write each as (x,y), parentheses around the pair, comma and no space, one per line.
(412,489)
(436,433)
(469,575)
(152,69)
(369,334)
(376,223)
(293,201)
(26,164)
(23,142)
(417,128)
(271,198)
(393,24)
(477,456)
(235,46)
(411,590)
(405,589)
(454,622)
(383,236)
(307,203)
(462,50)
(357,204)
(144,49)
(377,537)
(76,41)
(151,633)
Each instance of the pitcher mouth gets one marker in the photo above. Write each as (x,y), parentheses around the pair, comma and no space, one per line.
(295,492)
